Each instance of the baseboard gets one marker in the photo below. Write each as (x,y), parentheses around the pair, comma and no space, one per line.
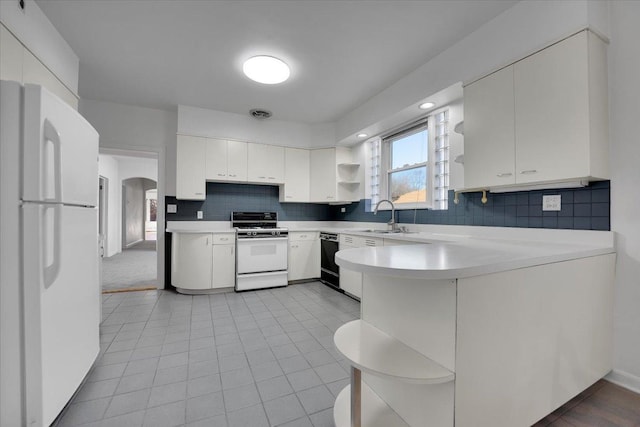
(624,379)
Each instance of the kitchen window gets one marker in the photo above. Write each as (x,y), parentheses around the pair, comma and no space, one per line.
(411,166)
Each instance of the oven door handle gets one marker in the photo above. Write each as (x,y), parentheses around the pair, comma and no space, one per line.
(260,239)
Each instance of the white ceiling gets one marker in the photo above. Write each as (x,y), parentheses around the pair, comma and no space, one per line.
(160,54)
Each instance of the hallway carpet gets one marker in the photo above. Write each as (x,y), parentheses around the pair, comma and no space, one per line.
(133,268)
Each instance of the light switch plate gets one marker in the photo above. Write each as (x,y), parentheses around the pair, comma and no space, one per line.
(199,214)
(172,208)
(551,203)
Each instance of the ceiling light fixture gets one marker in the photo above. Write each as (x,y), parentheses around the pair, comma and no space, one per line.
(266,69)
(427,105)
(362,135)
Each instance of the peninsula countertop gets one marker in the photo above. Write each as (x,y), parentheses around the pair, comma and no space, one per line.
(460,258)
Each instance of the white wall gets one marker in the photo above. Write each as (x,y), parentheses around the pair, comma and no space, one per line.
(133,210)
(624,72)
(108,168)
(129,128)
(525,28)
(36,32)
(116,169)
(219,124)
(137,167)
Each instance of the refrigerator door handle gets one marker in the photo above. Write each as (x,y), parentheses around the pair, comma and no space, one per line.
(51,271)
(50,133)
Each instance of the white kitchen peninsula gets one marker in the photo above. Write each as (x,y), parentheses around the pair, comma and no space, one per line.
(476,331)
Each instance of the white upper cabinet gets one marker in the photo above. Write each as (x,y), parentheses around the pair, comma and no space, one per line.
(191,168)
(226,160)
(237,160)
(334,176)
(557,126)
(489,131)
(265,163)
(216,159)
(323,175)
(296,175)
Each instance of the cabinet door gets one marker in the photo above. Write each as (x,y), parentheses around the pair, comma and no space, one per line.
(237,160)
(296,175)
(323,175)
(224,266)
(194,260)
(552,113)
(350,281)
(256,168)
(274,159)
(489,132)
(304,259)
(190,168)
(216,160)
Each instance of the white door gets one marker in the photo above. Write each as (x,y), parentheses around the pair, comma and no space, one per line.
(60,151)
(62,309)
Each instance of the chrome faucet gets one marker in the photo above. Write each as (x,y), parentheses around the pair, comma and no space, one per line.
(392,221)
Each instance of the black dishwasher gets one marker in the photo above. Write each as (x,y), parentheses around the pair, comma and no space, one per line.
(329,270)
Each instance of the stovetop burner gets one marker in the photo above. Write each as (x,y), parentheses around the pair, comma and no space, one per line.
(257,224)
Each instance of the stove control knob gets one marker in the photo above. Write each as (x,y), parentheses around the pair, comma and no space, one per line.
(278,233)
(273,233)
(253,233)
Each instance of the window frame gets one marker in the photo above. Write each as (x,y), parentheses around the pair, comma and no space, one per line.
(429,123)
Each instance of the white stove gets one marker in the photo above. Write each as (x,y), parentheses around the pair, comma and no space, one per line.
(262,250)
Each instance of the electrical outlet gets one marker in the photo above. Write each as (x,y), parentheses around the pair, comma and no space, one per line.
(551,203)
(172,208)
(199,214)
(343,210)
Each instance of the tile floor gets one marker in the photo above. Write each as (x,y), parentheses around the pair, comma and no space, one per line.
(249,359)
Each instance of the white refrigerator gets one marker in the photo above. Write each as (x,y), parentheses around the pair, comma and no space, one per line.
(49,288)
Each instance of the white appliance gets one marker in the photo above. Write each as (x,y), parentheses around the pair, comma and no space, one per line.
(49,288)
(261,250)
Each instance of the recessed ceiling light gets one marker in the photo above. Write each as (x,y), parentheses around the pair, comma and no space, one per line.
(427,105)
(266,69)
(362,135)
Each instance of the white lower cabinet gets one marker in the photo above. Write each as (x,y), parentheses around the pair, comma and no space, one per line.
(203,261)
(304,255)
(351,281)
(224,261)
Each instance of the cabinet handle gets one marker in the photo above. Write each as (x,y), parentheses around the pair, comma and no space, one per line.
(199,194)
(501,175)
(262,177)
(232,250)
(272,177)
(329,197)
(207,241)
(303,236)
(224,239)
(233,175)
(528,172)
(288,197)
(221,174)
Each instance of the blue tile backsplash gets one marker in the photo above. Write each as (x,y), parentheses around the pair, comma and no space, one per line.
(223,198)
(582,208)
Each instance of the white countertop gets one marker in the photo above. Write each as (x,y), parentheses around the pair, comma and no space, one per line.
(443,252)
(463,258)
